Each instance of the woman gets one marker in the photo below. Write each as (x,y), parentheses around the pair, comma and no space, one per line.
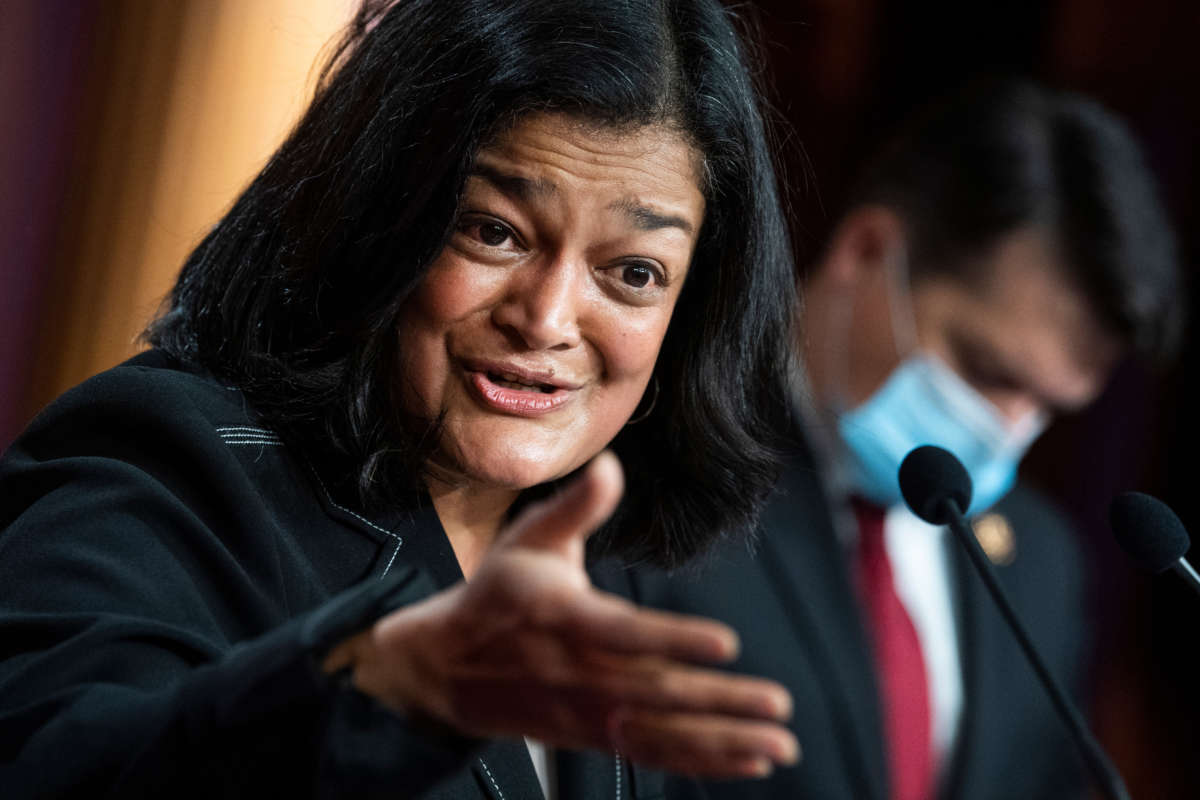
(504,237)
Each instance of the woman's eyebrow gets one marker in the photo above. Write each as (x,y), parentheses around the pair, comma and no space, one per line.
(643,216)
(514,185)
(647,219)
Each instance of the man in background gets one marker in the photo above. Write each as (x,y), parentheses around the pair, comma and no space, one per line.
(1000,255)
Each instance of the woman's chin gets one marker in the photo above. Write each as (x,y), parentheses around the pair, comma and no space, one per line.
(515,454)
(513,473)
(516,475)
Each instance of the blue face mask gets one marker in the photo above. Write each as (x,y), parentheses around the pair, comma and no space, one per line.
(925,402)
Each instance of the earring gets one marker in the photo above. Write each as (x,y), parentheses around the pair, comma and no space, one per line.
(646,413)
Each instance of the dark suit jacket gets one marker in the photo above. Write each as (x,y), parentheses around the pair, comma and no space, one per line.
(793,604)
(171,574)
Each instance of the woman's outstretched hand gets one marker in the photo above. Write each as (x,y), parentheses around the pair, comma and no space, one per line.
(530,648)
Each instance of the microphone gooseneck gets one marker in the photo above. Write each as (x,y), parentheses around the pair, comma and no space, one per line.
(937,488)
(1151,534)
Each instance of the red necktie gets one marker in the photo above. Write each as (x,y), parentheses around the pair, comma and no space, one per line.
(899,664)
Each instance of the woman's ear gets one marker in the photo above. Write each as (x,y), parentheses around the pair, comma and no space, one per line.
(865,244)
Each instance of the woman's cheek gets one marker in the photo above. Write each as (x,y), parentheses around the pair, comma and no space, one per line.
(455,286)
(636,343)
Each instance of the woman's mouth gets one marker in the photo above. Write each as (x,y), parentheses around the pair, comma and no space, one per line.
(514,394)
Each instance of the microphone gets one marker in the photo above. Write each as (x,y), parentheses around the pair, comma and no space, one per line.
(938,489)
(1153,536)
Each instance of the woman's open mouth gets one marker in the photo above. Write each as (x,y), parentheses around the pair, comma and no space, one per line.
(516,394)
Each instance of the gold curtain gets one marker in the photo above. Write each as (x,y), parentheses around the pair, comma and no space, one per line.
(184,102)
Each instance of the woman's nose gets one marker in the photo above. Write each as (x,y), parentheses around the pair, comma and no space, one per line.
(541,306)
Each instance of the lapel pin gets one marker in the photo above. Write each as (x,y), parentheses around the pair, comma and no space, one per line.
(995,536)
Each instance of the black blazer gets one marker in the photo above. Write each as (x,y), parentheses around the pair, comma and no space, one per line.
(793,604)
(170,576)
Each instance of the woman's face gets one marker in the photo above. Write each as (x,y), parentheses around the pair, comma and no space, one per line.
(536,330)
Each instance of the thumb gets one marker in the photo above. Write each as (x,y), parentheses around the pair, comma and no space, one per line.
(564,521)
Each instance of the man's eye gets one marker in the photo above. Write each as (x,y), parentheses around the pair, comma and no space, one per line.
(637,275)
(493,234)
(987,374)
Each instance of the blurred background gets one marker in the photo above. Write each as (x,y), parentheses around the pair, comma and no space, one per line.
(128,126)
(845,72)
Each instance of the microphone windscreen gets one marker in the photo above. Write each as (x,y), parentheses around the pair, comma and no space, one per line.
(1148,530)
(928,476)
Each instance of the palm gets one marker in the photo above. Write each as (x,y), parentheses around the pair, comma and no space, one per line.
(530,648)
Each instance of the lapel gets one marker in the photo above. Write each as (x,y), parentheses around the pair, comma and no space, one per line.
(978,635)
(500,770)
(505,771)
(806,562)
(593,775)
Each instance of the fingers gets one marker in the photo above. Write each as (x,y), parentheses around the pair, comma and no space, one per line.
(653,683)
(565,675)
(685,719)
(563,521)
(703,745)
(608,622)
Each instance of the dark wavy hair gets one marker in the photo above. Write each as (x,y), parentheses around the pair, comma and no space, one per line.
(1001,153)
(294,295)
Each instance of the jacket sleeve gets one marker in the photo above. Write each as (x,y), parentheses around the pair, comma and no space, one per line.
(147,646)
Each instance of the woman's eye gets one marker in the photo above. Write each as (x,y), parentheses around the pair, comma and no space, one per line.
(637,275)
(493,234)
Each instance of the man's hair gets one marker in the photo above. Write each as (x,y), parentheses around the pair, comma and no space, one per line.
(295,295)
(1003,155)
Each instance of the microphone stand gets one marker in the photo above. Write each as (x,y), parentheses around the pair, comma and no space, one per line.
(1186,571)
(1092,753)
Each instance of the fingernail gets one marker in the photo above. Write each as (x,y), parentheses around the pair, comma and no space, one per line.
(781,705)
(722,646)
(790,754)
(775,704)
(761,768)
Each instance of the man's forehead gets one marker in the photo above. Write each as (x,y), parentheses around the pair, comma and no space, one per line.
(1022,314)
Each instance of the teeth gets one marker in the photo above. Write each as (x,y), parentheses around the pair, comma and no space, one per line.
(517,382)
(512,381)
(508,376)
(521,387)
